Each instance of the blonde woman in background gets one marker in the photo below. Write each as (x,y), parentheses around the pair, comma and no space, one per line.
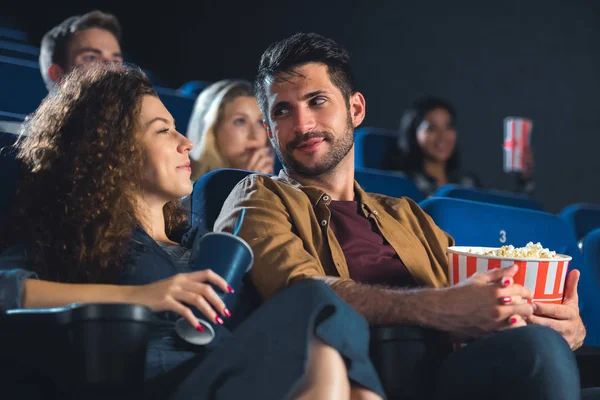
(227,130)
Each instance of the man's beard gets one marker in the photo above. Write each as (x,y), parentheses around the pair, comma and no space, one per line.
(339,147)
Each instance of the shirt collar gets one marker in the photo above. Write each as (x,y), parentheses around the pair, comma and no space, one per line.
(315,194)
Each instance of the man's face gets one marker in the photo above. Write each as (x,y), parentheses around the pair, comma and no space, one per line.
(93,44)
(309,121)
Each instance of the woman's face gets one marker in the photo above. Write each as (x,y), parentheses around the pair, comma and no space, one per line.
(436,135)
(166,162)
(241,132)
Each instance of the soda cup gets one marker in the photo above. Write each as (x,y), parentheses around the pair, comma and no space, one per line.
(517,138)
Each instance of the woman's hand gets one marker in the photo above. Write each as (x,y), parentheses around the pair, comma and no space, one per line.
(183,290)
(261,160)
(528,164)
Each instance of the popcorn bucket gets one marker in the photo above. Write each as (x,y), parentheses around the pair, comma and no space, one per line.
(545,277)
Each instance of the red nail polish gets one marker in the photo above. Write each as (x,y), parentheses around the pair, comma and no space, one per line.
(226,313)
(230,289)
(506,299)
(199,328)
(513,321)
(507,282)
(218,320)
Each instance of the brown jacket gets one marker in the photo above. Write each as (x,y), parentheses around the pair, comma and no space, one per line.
(287,227)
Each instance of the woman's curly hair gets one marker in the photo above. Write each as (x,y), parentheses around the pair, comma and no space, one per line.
(82,168)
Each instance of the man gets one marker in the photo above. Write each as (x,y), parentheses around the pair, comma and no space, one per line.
(384,256)
(80,39)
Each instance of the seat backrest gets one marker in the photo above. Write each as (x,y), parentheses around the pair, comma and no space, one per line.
(12,34)
(591,250)
(393,184)
(488,196)
(192,89)
(9,172)
(582,218)
(371,146)
(473,223)
(22,86)
(591,258)
(210,192)
(212,189)
(180,107)
(11,122)
(19,50)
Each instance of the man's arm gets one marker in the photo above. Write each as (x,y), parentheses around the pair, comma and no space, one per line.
(280,256)
(475,307)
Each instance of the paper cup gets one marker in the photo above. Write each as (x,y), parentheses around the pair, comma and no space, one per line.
(545,277)
(517,137)
(229,257)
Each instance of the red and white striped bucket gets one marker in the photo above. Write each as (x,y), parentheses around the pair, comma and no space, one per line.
(517,137)
(545,277)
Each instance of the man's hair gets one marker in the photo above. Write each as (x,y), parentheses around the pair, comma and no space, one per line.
(286,56)
(55,43)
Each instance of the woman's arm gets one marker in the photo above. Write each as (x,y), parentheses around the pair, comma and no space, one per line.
(42,294)
(176,294)
(20,288)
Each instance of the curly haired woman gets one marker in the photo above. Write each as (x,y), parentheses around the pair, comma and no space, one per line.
(99,221)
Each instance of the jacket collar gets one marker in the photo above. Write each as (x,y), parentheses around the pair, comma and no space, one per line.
(315,194)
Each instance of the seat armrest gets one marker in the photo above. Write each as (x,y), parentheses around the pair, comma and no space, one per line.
(406,357)
(588,361)
(81,347)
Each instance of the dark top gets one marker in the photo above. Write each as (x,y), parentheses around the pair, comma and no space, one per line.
(393,161)
(179,254)
(429,185)
(370,258)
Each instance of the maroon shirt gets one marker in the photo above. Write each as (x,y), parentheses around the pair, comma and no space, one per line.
(370,258)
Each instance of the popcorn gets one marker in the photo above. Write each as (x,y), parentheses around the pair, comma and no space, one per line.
(529,251)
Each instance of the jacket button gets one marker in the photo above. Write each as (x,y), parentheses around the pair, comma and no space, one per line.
(323,223)
(326,198)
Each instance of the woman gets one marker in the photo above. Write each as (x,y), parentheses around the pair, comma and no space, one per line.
(227,130)
(99,221)
(427,149)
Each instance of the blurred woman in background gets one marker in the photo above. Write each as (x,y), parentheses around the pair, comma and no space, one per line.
(427,149)
(227,130)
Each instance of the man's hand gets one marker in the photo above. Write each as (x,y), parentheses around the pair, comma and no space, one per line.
(563,318)
(483,304)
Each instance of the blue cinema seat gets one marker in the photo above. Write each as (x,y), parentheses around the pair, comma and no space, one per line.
(180,107)
(473,223)
(393,184)
(372,146)
(210,192)
(488,196)
(22,86)
(582,218)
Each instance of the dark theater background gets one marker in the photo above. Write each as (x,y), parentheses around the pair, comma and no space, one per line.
(538,59)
